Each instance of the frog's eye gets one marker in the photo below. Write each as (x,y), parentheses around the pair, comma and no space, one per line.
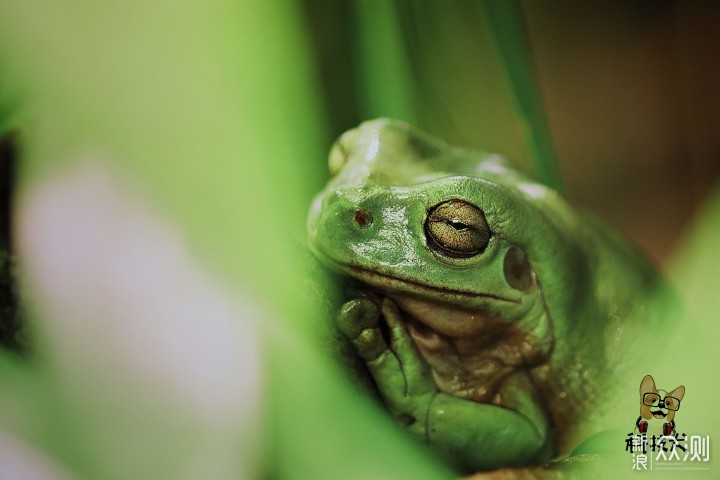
(457,229)
(337,158)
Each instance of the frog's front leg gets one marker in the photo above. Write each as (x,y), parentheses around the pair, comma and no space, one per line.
(483,436)
(472,435)
(401,375)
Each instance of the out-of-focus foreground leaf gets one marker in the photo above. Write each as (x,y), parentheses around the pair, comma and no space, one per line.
(163,193)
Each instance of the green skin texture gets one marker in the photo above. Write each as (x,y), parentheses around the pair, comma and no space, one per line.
(514,368)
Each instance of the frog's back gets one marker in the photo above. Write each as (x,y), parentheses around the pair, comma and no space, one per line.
(626,312)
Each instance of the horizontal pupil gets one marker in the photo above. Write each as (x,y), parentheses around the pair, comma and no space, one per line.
(457,225)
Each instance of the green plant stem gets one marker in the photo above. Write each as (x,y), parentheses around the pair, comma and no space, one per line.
(508,30)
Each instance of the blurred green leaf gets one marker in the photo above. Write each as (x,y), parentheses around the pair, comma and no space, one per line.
(205,117)
(505,18)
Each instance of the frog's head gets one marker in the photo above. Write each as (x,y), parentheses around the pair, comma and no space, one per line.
(450,234)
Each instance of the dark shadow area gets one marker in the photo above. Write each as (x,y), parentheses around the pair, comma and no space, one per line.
(10,316)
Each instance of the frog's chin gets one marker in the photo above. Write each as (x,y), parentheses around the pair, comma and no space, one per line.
(428,318)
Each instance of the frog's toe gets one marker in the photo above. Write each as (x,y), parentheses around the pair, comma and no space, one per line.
(359,321)
(357,315)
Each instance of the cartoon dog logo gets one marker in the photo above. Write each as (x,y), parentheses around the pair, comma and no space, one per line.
(657,409)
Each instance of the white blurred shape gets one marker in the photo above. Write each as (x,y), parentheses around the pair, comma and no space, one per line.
(120,293)
(19,461)
(534,190)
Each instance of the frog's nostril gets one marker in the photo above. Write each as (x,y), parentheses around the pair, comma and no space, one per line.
(363,218)
(517,269)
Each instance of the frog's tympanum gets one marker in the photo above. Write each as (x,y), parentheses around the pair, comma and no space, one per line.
(492,313)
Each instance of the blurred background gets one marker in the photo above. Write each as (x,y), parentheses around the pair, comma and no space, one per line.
(158,162)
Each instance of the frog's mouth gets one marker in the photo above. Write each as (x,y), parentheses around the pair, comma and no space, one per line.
(393,283)
(453,313)
(456,313)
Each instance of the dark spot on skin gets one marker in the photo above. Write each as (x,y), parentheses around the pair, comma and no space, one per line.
(363,218)
(518,272)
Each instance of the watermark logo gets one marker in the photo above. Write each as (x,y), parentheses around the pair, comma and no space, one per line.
(656,432)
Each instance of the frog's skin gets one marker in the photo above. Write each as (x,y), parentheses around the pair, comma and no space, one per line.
(490,335)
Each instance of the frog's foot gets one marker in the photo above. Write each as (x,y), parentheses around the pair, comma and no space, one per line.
(359,321)
(401,375)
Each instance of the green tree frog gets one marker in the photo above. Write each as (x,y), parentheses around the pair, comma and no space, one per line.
(492,313)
